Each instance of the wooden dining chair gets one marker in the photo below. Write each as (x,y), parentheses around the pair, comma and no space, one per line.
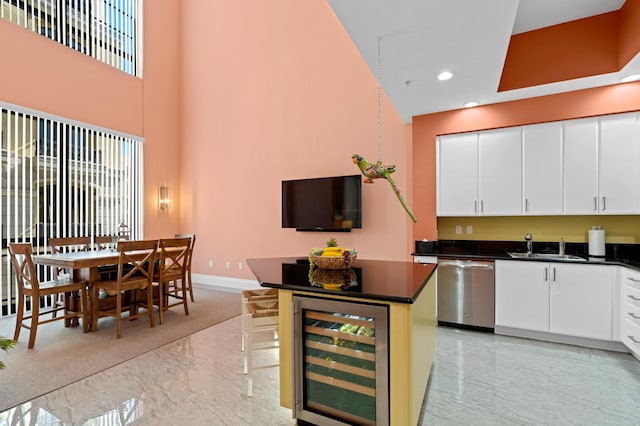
(30,286)
(171,276)
(193,242)
(67,245)
(136,263)
(104,242)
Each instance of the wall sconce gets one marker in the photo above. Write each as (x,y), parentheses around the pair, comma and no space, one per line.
(164,198)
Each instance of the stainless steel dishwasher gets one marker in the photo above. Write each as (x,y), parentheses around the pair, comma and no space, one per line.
(466,293)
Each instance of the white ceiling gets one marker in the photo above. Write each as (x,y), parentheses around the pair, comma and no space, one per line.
(421,38)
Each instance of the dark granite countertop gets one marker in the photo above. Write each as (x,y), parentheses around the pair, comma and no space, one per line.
(615,254)
(390,281)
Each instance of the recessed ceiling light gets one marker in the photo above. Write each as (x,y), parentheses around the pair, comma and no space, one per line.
(471,104)
(445,75)
(632,77)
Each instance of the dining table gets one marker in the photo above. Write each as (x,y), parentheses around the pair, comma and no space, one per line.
(85,266)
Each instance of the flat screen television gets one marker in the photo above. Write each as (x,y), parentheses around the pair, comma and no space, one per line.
(322,204)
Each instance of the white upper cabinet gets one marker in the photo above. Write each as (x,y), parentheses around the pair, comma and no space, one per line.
(500,155)
(580,166)
(542,169)
(575,167)
(457,174)
(618,164)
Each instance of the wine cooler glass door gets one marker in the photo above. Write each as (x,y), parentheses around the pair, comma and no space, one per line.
(340,362)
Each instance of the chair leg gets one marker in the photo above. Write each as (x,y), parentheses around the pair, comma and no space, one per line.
(152,322)
(185,301)
(190,284)
(248,355)
(84,302)
(118,314)
(93,306)
(161,302)
(19,316)
(35,317)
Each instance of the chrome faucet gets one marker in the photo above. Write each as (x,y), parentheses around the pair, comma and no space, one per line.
(561,247)
(529,239)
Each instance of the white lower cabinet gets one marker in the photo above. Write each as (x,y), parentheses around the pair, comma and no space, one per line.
(630,309)
(560,298)
(522,295)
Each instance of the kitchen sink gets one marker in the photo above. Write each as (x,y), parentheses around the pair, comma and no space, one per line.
(543,256)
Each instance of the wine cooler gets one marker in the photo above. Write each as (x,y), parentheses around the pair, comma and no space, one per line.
(341,357)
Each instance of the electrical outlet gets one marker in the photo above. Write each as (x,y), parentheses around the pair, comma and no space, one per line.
(469,229)
(239,265)
(458,229)
(228,264)
(211,264)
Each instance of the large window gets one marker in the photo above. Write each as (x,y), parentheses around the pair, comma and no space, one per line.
(107,30)
(61,178)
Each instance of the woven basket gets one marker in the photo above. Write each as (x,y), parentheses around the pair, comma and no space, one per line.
(333,262)
(341,278)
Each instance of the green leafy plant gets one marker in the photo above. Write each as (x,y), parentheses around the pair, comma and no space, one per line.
(5,345)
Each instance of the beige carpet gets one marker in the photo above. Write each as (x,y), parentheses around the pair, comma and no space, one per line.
(64,355)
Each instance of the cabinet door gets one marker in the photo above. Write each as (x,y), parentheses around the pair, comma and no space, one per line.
(618,165)
(581,300)
(542,169)
(580,166)
(457,174)
(522,295)
(500,167)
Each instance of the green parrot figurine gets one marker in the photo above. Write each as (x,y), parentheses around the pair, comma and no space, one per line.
(379,170)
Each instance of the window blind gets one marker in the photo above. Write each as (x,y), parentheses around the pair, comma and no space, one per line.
(61,178)
(107,30)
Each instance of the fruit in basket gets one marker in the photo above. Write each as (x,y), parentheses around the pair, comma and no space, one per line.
(332,242)
(332,257)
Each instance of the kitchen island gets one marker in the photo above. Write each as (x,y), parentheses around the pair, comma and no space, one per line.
(382,314)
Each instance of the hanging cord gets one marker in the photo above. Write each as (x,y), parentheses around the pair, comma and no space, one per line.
(379,100)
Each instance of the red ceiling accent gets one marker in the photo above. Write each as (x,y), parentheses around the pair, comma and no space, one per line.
(581,48)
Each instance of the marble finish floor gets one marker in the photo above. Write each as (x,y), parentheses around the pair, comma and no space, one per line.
(477,379)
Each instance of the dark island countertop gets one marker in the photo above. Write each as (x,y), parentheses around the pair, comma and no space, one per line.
(390,281)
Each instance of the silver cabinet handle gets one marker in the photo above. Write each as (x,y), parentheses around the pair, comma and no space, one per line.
(604,203)
(475,206)
(481,206)
(633,279)
(633,339)
(526,205)
(554,275)
(632,315)
(546,274)
(595,204)
(632,297)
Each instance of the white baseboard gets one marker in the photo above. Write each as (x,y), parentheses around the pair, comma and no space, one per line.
(233,285)
(558,338)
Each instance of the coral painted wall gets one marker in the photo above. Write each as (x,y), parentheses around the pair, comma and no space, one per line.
(271,91)
(235,97)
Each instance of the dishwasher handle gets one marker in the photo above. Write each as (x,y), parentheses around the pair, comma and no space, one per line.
(466,264)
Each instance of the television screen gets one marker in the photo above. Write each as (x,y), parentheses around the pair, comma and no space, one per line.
(322,204)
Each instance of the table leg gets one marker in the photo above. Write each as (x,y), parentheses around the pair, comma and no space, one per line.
(91,275)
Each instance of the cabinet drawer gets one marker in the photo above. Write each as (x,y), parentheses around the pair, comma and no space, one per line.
(631,296)
(630,279)
(631,331)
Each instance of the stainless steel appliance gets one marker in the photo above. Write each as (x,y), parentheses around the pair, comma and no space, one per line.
(341,362)
(466,293)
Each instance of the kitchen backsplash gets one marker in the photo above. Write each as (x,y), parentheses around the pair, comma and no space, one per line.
(618,229)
